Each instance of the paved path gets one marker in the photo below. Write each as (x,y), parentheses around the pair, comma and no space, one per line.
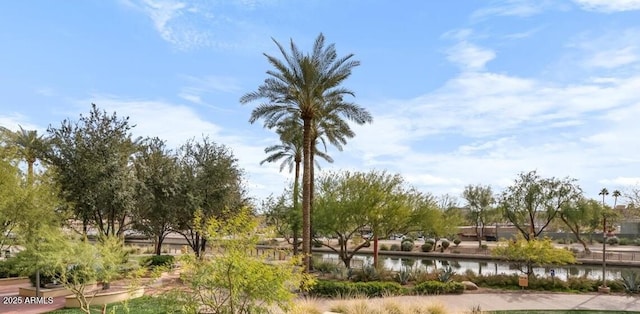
(10,294)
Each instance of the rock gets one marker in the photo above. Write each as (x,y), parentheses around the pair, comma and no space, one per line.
(468,285)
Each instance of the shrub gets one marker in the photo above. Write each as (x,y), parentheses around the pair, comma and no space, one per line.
(446,274)
(427,247)
(631,281)
(456,241)
(407,245)
(367,273)
(325,267)
(317,243)
(484,246)
(582,284)
(636,241)
(613,240)
(395,247)
(160,261)
(404,275)
(45,279)
(384,247)
(445,244)
(332,289)
(430,241)
(625,241)
(9,268)
(437,287)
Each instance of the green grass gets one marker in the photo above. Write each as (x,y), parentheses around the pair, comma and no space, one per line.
(142,305)
(559,312)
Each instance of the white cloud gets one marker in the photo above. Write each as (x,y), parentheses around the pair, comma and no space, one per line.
(609,6)
(614,58)
(15,121)
(470,57)
(622,181)
(517,8)
(188,25)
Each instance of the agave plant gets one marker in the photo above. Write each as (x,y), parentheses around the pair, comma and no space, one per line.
(446,274)
(404,275)
(631,281)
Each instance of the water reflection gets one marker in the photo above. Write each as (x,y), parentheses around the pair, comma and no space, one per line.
(478,267)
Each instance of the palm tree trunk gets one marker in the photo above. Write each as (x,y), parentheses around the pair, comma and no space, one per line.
(311,192)
(296,193)
(306,193)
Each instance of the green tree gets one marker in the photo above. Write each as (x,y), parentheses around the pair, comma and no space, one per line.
(479,199)
(527,253)
(211,186)
(158,186)
(285,218)
(232,281)
(348,202)
(299,87)
(532,202)
(581,216)
(92,160)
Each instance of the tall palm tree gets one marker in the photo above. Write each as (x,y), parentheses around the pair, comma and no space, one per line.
(28,144)
(290,150)
(604,192)
(299,86)
(615,195)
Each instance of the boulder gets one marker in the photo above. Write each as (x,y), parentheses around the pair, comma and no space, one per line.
(468,285)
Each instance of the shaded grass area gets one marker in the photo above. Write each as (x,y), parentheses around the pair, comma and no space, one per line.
(142,305)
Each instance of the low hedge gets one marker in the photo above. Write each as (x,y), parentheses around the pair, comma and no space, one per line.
(340,289)
(9,268)
(437,287)
(159,261)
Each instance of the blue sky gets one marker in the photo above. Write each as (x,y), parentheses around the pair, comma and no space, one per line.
(462,92)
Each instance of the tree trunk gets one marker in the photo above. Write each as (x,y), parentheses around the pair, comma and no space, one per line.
(375,250)
(306,193)
(311,193)
(296,207)
(584,245)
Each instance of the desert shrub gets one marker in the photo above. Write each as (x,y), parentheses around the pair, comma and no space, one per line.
(548,284)
(484,246)
(445,244)
(159,261)
(325,267)
(613,240)
(332,289)
(582,284)
(407,245)
(384,247)
(456,241)
(498,281)
(430,241)
(367,273)
(404,275)
(446,274)
(625,241)
(395,247)
(427,247)
(437,287)
(615,285)
(636,242)
(9,268)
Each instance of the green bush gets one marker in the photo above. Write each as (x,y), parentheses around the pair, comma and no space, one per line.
(427,247)
(9,268)
(325,267)
(636,242)
(456,241)
(613,240)
(445,244)
(384,247)
(367,273)
(407,245)
(395,247)
(430,241)
(340,289)
(437,287)
(159,261)
(625,241)
(582,284)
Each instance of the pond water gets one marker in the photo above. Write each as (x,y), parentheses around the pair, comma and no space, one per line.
(479,267)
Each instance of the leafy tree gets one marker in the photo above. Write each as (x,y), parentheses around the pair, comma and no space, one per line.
(211,187)
(285,218)
(581,216)
(299,87)
(479,199)
(532,202)
(232,282)
(92,161)
(347,202)
(527,253)
(158,185)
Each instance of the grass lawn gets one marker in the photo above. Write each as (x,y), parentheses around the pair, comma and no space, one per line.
(142,305)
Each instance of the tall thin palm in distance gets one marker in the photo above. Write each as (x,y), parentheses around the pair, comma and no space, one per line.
(615,195)
(300,87)
(604,192)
